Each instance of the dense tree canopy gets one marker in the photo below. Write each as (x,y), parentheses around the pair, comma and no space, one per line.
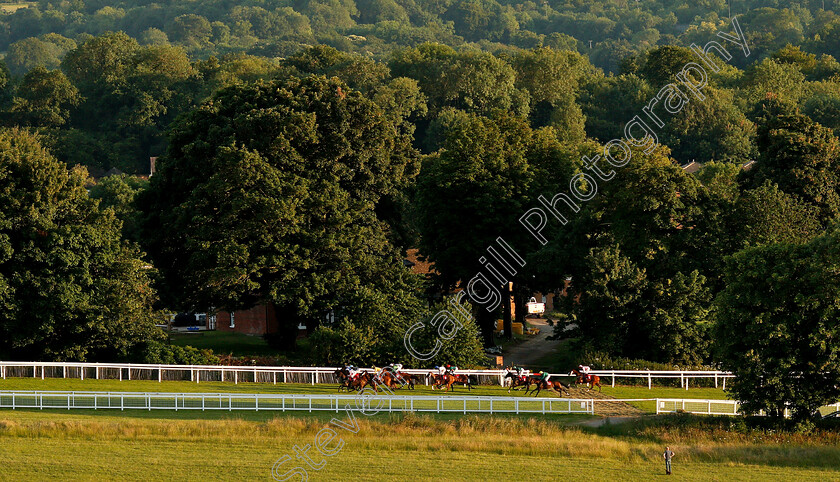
(70,288)
(779,325)
(268,192)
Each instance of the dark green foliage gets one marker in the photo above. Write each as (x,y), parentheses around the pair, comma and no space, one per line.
(44,99)
(70,288)
(777,325)
(158,352)
(119,193)
(802,157)
(271,189)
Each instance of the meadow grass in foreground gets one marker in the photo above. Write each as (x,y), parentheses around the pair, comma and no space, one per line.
(83,446)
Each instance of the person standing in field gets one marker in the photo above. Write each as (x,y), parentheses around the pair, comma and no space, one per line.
(667,456)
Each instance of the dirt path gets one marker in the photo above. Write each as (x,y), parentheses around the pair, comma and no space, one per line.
(604,405)
(534,348)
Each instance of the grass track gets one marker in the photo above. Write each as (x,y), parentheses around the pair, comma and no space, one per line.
(219,387)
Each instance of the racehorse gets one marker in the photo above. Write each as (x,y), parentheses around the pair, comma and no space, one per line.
(361,381)
(550,385)
(594,380)
(516,381)
(394,381)
(450,380)
(343,378)
(408,379)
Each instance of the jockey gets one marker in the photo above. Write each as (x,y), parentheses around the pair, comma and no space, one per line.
(441,370)
(395,367)
(520,372)
(584,369)
(544,376)
(353,372)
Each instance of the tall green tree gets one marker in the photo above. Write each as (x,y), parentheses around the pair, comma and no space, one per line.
(70,288)
(800,156)
(44,99)
(268,195)
(778,323)
(474,190)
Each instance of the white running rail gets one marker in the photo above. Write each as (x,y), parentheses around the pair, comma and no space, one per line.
(285,374)
(290,402)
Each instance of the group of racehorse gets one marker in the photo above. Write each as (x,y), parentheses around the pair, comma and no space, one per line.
(374,380)
(395,380)
(540,384)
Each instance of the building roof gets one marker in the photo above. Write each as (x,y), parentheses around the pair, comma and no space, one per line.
(692,167)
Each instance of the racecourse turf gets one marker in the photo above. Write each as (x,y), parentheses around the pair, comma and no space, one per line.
(55,445)
(74,384)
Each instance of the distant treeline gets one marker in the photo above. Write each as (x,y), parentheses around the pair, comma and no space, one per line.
(606,31)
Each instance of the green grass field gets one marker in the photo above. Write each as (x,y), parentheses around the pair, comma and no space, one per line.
(223,342)
(219,446)
(15,6)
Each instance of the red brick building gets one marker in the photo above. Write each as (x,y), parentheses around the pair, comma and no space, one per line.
(259,320)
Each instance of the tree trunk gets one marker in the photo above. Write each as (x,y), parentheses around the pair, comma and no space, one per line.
(508,323)
(520,297)
(286,320)
(486,320)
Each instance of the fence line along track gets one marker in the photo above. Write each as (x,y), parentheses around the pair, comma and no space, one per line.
(291,402)
(17,399)
(285,374)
